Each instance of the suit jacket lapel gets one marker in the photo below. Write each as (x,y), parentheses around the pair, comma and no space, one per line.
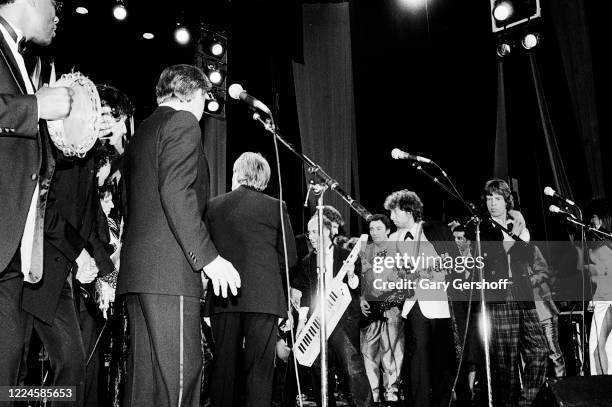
(7,55)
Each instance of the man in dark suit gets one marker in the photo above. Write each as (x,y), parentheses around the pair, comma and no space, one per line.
(167,250)
(344,340)
(75,253)
(516,333)
(27,167)
(245,226)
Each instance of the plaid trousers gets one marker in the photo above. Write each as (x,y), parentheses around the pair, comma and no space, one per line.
(516,332)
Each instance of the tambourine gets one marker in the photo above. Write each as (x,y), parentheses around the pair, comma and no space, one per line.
(76,134)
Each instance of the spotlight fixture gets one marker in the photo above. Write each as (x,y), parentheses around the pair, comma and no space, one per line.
(148,36)
(81,10)
(215,72)
(530,41)
(502,11)
(182,35)
(214,105)
(503,49)
(119,11)
(211,57)
(215,77)
(217,49)
(506,14)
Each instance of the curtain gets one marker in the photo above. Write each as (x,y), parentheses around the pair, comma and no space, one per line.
(324,96)
(500,169)
(215,147)
(572,33)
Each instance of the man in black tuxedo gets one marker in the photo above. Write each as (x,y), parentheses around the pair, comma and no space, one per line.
(245,226)
(167,251)
(344,340)
(27,167)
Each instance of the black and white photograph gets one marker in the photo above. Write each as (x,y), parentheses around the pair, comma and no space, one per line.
(299,203)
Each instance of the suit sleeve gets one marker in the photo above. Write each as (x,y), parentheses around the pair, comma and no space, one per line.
(59,232)
(179,146)
(291,249)
(18,115)
(304,278)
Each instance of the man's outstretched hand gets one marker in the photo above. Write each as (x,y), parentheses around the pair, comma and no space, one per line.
(222,274)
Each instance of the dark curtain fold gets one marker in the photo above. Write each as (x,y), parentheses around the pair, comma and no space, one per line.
(215,148)
(559,174)
(500,165)
(324,95)
(570,22)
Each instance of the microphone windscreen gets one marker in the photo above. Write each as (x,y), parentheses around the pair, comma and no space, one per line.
(554,209)
(396,153)
(235,90)
(548,191)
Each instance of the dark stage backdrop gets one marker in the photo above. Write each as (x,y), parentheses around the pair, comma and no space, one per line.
(424,80)
(324,93)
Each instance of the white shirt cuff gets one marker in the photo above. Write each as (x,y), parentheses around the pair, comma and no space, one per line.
(303,312)
(353,282)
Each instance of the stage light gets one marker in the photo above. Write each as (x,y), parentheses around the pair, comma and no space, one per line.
(213,106)
(215,77)
(530,41)
(182,35)
(82,10)
(503,49)
(217,49)
(119,12)
(506,14)
(413,4)
(148,36)
(502,11)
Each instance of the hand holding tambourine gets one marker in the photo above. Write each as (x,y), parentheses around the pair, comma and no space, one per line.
(76,134)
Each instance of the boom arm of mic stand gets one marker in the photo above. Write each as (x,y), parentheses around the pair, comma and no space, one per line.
(314,168)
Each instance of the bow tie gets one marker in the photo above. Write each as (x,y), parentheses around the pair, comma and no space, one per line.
(21,46)
(408,236)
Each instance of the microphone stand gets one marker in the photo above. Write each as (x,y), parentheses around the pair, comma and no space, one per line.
(477,220)
(327,182)
(315,169)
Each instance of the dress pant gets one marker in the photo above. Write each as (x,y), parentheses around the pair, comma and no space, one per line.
(12,322)
(249,338)
(516,332)
(382,344)
(343,343)
(430,360)
(165,356)
(89,334)
(64,345)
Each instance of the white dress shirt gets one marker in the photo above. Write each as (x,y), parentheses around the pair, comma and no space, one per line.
(433,303)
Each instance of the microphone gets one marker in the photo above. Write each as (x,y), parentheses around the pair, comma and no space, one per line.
(556,209)
(402,155)
(237,92)
(548,191)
